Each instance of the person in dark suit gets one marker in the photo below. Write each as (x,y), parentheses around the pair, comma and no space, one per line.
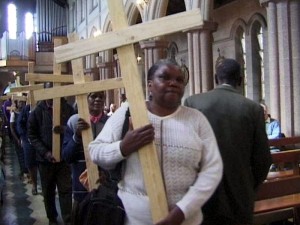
(54,174)
(239,126)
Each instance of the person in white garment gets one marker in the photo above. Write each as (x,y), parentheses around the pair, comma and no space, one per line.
(188,152)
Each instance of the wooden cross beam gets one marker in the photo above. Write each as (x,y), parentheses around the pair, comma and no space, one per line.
(123,38)
(130,35)
(83,111)
(56,145)
(42,77)
(78,89)
(31,100)
(28,90)
(4,97)
(17,97)
(56,78)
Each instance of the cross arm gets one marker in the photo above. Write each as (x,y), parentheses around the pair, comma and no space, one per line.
(27,88)
(77,89)
(41,77)
(130,35)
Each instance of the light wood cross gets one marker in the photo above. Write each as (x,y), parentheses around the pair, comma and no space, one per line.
(28,89)
(123,38)
(15,95)
(57,78)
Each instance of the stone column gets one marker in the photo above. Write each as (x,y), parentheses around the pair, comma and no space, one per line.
(153,51)
(206,59)
(285,67)
(284,47)
(195,61)
(295,43)
(200,58)
(273,60)
(106,72)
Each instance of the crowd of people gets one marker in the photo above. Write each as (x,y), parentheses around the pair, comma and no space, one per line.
(210,176)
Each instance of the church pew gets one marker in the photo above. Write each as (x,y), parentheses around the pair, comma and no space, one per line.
(285,143)
(278,197)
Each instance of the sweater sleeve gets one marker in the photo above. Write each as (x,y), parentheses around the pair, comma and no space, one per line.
(209,176)
(105,149)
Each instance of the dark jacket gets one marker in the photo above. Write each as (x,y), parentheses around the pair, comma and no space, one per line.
(73,153)
(22,122)
(40,127)
(239,126)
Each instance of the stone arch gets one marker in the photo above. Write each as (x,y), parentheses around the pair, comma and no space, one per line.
(132,11)
(257,30)
(239,23)
(93,30)
(257,17)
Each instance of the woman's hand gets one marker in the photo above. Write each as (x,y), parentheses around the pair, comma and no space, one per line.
(137,138)
(175,217)
(59,129)
(49,157)
(83,179)
(81,125)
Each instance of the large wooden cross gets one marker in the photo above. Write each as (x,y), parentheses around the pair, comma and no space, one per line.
(28,89)
(123,38)
(57,78)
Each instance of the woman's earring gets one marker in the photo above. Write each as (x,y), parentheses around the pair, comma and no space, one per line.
(150,96)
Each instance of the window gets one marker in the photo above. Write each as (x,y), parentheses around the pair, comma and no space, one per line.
(28,25)
(257,49)
(12,21)
(241,55)
(261,58)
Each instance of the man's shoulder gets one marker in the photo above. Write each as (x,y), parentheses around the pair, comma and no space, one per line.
(200,95)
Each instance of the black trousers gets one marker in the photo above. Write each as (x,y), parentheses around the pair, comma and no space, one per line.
(57,175)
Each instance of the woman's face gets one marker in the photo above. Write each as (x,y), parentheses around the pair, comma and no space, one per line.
(96,102)
(167,86)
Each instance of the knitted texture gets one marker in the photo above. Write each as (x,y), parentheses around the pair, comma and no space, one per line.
(188,155)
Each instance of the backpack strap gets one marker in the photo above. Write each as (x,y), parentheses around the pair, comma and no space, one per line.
(125,127)
(115,175)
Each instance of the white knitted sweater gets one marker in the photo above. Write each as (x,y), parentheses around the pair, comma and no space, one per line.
(189,158)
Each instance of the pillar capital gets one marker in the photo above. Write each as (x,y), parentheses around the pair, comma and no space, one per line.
(266,2)
(207,25)
(154,44)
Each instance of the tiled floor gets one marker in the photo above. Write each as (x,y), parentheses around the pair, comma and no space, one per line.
(19,207)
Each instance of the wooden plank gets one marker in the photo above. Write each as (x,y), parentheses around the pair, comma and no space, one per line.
(276,215)
(18,97)
(286,156)
(41,77)
(277,203)
(83,111)
(30,96)
(284,141)
(78,89)
(4,97)
(129,35)
(148,155)
(27,88)
(56,145)
(279,187)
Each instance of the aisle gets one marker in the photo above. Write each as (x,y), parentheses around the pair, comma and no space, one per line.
(20,207)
